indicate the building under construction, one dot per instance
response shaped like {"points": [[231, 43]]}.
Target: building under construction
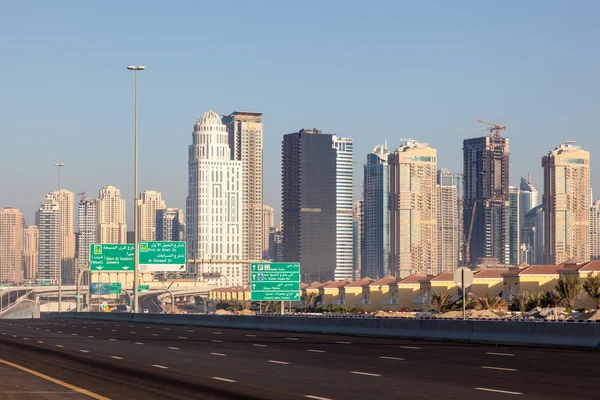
{"points": [[486, 210]]}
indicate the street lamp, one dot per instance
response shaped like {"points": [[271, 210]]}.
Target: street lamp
{"points": [[59, 166], [135, 192]]}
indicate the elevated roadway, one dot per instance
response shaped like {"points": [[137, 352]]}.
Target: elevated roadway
{"points": [[120, 360]]}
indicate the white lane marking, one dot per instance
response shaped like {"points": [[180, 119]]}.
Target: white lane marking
{"points": [[59, 331], [39, 341], [159, 366], [113, 330], [181, 337], [133, 333], [173, 348], [116, 324], [4, 333], [291, 338], [217, 333], [250, 335], [131, 326], [99, 329], [223, 379], [310, 396], [155, 334], [279, 362], [218, 354], [113, 340], [497, 391], [343, 342], [217, 341], [392, 358], [139, 343], [47, 330], [60, 345], [411, 347], [190, 330], [14, 335], [84, 351], [73, 334], [25, 338], [259, 345], [363, 373], [499, 369], [116, 357], [500, 354], [316, 351], [147, 327], [92, 337], [167, 329]]}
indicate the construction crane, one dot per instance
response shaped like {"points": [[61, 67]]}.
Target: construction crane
{"points": [[493, 128], [467, 240], [82, 194]]}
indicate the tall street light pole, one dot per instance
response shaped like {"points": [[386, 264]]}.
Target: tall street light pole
{"points": [[59, 166], [134, 306]]}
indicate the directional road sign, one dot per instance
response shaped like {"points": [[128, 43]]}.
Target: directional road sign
{"points": [[275, 281], [105, 288], [143, 288], [111, 257], [162, 256]]}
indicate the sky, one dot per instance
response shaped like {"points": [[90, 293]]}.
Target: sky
{"points": [[372, 71]]}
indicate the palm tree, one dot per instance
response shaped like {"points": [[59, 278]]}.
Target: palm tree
{"points": [[440, 302], [490, 302], [551, 299], [534, 299], [592, 288], [569, 287], [311, 299]]}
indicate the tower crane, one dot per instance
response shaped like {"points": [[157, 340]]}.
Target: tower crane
{"points": [[82, 194], [467, 240], [494, 127]]}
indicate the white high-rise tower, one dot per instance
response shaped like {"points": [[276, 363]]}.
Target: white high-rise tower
{"points": [[150, 201], [214, 204], [112, 226]]}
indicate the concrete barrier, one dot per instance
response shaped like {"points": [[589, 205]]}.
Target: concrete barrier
{"points": [[514, 332], [556, 334], [391, 327], [363, 327], [440, 329]]}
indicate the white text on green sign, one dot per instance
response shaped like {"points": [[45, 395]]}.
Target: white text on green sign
{"points": [[162, 256], [111, 257]]}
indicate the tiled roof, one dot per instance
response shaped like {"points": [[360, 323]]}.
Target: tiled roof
{"points": [[337, 284], [541, 270], [591, 266], [384, 281], [304, 286], [364, 282], [317, 285], [413, 279], [443, 277], [490, 273]]}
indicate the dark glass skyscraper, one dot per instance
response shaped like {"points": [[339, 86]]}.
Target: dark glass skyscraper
{"points": [[486, 197]]}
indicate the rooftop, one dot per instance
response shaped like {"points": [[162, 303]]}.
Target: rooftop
{"points": [[364, 282]]}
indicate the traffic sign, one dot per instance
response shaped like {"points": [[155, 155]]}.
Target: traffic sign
{"points": [[143, 288], [105, 288], [111, 257], [275, 281], [162, 256], [458, 276]]}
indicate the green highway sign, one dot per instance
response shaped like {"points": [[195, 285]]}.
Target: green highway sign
{"points": [[115, 288], [143, 288], [111, 257], [275, 281], [162, 256]]}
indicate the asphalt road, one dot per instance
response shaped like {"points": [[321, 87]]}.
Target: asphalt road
{"points": [[148, 302], [146, 361]]}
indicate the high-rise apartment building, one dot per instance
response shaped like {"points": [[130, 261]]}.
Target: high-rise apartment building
{"points": [[112, 225], [149, 202], [31, 238], [447, 222], [595, 231], [357, 237], [170, 225], [485, 163], [528, 197], [317, 204], [566, 202], [514, 198], [413, 210], [214, 204], [268, 222], [48, 254], [66, 220], [276, 246], [245, 131], [11, 245], [376, 222], [87, 212]]}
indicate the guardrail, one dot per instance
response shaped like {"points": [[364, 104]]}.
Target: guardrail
{"points": [[581, 335]]}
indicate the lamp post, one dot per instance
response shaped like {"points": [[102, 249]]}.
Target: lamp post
{"points": [[134, 307], [59, 166]]}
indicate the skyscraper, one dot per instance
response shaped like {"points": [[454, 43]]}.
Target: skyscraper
{"points": [[31, 237], [485, 162], [595, 231], [447, 221], [170, 225], [47, 223], [357, 237], [268, 222], [66, 205], [246, 143], [376, 222], [150, 201], [214, 203], [11, 245], [528, 197], [88, 229], [413, 210], [566, 202], [112, 225], [514, 198], [317, 204]]}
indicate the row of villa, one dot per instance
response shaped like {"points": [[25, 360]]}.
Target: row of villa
{"points": [[414, 292]]}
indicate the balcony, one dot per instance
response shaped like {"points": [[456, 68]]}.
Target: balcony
{"points": [[338, 302], [389, 302], [421, 300], [362, 302]]}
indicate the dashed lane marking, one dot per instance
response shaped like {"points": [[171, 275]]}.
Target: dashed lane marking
{"points": [[218, 378], [392, 358], [279, 362], [139, 343], [500, 354], [338, 342], [259, 345], [159, 366], [218, 354], [60, 345], [363, 373], [217, 341], [116, 357], [499, 368], [316, 351], [173, 348], [497, 391], [84, 351], [410, 347], [310, 396]]}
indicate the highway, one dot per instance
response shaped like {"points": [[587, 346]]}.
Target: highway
{"points": [[12, 296], [148, 302], [117, 360]]}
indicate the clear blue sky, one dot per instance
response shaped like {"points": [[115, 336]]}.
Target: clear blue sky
{"points": [[368, 70]]}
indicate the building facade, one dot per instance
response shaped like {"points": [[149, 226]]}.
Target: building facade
{"points": [[357, 236], [317, 204], [214, 205], [268, 222], [31, 237], [375, 252], [514, 230], [11, 245], [149, 202], [486, 198], [112, 224], [66, 220], [566, 202], [170, 225], [447, 222], [48, 245], [87, 212], [245, 131], [528, 197], [413, 210], [595, 231]]}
